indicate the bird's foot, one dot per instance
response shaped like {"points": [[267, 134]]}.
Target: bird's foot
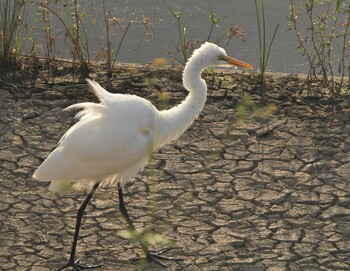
{"points": [[78, 267], [157, 257]]}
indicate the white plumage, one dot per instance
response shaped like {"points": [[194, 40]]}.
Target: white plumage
{"points": [[113, 140]]}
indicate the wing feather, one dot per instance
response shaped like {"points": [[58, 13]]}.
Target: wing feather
{"points": [[89, 111], [115, 138]]}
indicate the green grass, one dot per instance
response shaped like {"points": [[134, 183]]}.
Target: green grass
{"points": [[264, 49], [10, 11]]}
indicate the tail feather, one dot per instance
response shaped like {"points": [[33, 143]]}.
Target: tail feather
{"points": [[99, 91], [87, 108]]}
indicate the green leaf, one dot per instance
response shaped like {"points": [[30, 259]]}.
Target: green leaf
{"points": [[338, 5], [157, 239], [129, 234]]}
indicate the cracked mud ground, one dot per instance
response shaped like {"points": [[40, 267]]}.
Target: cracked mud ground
{"points": [[246, 195]]}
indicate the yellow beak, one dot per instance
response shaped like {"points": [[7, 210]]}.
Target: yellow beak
{"points": [[236, 62]]}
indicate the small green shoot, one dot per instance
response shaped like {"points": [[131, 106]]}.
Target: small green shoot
{"points": [[149, 238], [63, 188], [247, 109]]}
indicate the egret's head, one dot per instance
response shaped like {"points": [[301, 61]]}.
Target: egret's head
{"points": [[214, 55]]}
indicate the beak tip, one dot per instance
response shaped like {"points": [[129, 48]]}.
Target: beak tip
{"points": [[237, 62]]}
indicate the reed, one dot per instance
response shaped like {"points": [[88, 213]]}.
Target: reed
{"points": [[10, 11], [264, 49]]}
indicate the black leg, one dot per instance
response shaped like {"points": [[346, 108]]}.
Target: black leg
{"points": [[128, 220], [72, 262], [150, 256]]}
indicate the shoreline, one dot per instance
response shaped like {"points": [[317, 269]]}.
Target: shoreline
{"points": [[99, 65]]}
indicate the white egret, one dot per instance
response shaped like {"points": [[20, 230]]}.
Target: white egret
{"points": [[113, 140]]}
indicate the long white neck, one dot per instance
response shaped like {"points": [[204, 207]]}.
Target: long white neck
{"points": [[175, 121]]}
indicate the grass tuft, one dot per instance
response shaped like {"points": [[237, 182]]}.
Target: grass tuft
{"points": [[10, 11], [264, 50]]}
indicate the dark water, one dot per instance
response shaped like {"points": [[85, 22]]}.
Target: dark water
{"points": [[163, 38]]}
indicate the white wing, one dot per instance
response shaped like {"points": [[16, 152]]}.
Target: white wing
{"points": [[111, 138]]}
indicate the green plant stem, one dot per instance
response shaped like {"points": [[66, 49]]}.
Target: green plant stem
{"points": [[211, 19], [9, 15], [264, 34], [183, 40], [70, 35], [263, 55], [120, 43], [259, 33], [344, 52], [322, 33], [272, 40], [181, 30], [108, 61]]}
